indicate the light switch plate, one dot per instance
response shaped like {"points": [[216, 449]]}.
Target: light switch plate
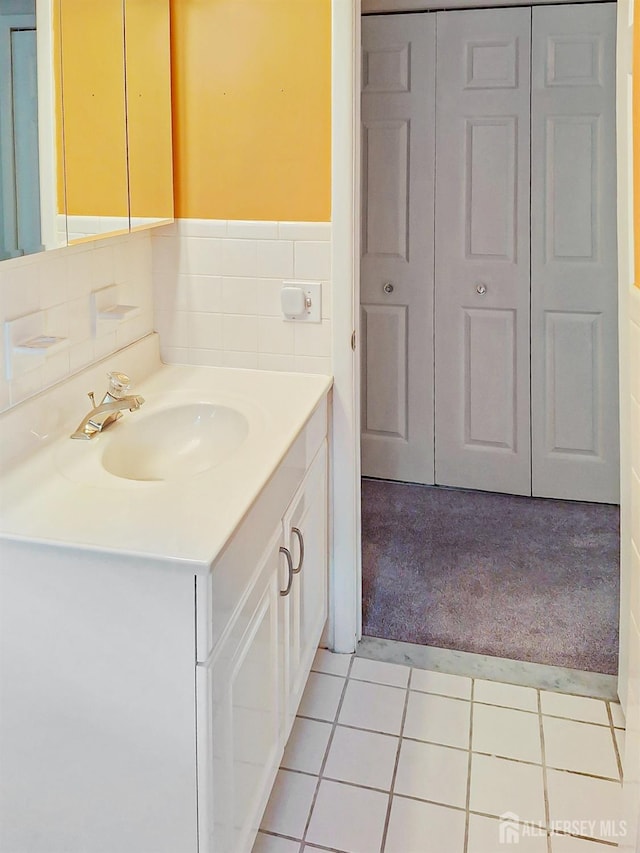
{"points": [[313, 292]]}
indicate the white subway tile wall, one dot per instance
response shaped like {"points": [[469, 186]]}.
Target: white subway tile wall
{"points": [[217, 293], [59, 283]]}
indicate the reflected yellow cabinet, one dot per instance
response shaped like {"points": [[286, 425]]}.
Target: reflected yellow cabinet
{"points": [[115, 111], [148, 80]]}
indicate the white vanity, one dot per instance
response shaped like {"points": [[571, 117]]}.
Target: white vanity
{"points": [[156, 634]]}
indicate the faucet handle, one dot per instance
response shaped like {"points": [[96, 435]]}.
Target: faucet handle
{"points": [[119, 383]]}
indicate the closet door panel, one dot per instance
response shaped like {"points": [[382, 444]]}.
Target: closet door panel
{"points": [[572, 345], [385, 403], [491, 186], [398, 142], [489, 356], [574, 352], [482, 250]]}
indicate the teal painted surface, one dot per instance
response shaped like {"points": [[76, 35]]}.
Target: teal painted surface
{"points": [[19, 161], [25, 131]]}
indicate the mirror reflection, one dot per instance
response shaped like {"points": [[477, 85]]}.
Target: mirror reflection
{"points": [[85, 121], [20, 227], [94, 121], [148, 64]]}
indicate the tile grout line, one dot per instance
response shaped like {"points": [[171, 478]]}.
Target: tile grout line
{"points": [[510, 758], [334, 726], [348, 784], [615, 743], [273, 834], [467, 817], [385, 828], [580, 773], [595, 842], [494, 704], [545, 787], [467, 810], [484, 702]]}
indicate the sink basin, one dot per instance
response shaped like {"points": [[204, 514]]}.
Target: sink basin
{"points": [[174, 443]]}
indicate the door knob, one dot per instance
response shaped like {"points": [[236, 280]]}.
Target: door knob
{"points": [[388, 287], [481, 289]]}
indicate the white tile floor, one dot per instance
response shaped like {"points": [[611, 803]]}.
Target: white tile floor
{"points": [[387, 759]]}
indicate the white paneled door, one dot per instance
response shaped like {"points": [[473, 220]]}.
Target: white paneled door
{"points": [[501, 279], [398, 140], [482, 250], [574, 304]]}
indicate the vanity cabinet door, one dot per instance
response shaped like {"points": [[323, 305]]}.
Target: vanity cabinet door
{"points": [[305, 534], [239, 690]]}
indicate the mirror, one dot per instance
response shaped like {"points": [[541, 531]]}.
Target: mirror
{"points": [[116, 115], [85, 122], [20, 228], [148, 71], [94, 118]]}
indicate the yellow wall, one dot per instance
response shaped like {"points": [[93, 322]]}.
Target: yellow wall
{"points": [[636, 141], [252, 109]]}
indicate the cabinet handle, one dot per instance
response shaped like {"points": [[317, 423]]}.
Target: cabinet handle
{"points": [[287, 554], [298, 533]]}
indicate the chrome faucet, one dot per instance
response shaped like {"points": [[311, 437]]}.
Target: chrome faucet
{"points": [[111, 407]]}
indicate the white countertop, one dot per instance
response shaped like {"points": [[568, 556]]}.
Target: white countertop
{"points": [[61, 495]]}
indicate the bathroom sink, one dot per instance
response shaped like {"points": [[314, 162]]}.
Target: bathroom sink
{"points": [[174, 443]]}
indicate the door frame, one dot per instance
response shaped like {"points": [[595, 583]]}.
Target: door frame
{"points": [[49, 201], [345, 610], [345, 622], [628, 312]]}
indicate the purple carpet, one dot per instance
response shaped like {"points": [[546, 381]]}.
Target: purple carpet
{"points": [[523, 578]]}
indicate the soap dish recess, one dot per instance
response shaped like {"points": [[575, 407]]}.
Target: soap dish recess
{"points": [[46, 344], [106, 310], [27, 344], [118, 312]]}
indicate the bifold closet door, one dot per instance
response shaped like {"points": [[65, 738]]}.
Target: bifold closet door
{"points": [[482, 410], [398, 142], [574, 355]]}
